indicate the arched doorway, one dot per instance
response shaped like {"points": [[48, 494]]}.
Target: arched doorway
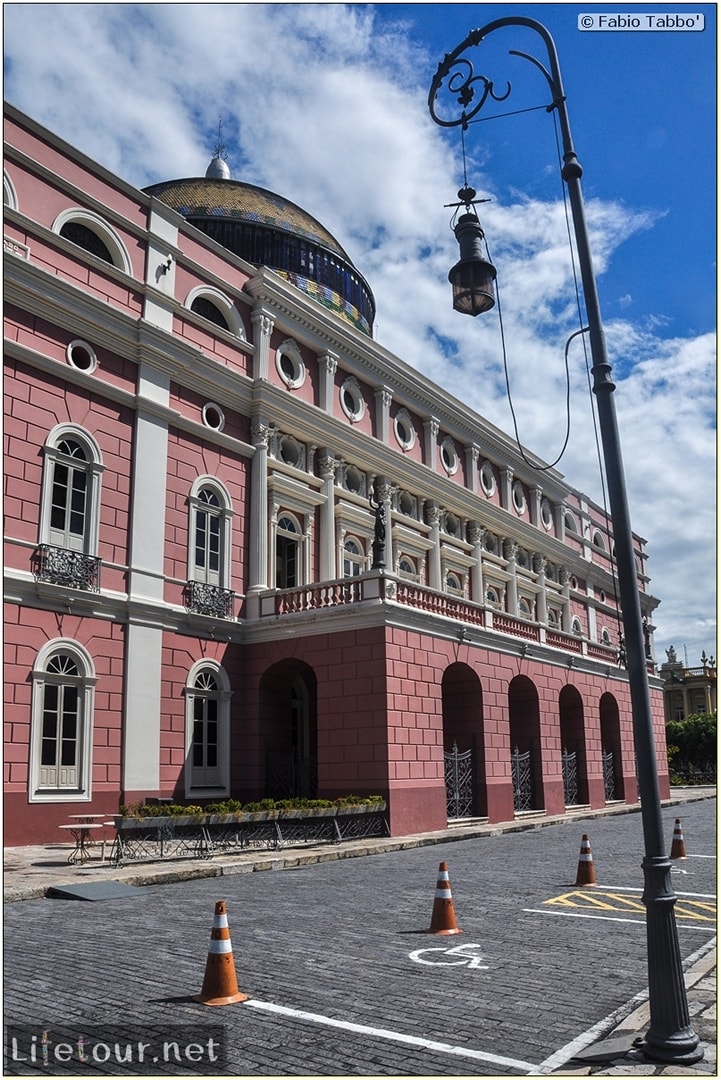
{"points": [[463, 749], [525, 725], [573, 747], [611, 748], [288, 711]]}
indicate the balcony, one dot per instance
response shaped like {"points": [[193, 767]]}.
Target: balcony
{"points": [[211, 600], [373, 587], [61, 566]]}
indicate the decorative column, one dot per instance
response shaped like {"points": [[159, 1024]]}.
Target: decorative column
{"points": [[473, 452], [258, 530], [433, 518], [506, 486], [327, 465], [262, 329], [539, 565], [476, 533], [431, 427], [327, 367], [536, 494], [510, 550], [564, 579], [383, 398]]}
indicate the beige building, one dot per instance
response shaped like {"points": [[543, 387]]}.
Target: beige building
{"points": [[687, 691]]}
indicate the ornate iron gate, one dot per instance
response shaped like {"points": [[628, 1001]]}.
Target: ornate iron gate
{"points": [[570, 777], [522, 773], [609, 775], [459, 782]]}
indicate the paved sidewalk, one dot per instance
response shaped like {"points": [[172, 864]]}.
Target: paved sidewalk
{"points": [[29, 872]]}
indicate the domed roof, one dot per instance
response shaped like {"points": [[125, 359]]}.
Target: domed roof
{"points": [[212, 197], [266, 229]]}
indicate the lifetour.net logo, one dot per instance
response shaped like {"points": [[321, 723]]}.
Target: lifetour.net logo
{"points": [[645, 20], [113, 1050]]}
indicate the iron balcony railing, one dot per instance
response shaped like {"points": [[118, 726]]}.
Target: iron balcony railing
{"points": [[61, 566], [204, 599]]}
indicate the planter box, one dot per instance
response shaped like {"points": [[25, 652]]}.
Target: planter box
{"points": [[160, 837]]}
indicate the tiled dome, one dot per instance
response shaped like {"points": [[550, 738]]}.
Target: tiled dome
{"points": [[266, 229]]}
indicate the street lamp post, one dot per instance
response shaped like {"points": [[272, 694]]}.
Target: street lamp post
{"points": [[670, 1037]]}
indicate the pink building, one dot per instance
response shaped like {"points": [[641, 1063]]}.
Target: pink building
{"points": [[199, 431]]}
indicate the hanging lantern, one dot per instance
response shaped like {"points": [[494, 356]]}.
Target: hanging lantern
{"points": [[472, 277]]}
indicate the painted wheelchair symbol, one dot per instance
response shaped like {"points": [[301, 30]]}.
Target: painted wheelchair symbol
{"points": [[459, 955]]}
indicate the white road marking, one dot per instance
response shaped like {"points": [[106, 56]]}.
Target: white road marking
{"points": [[470, 961], [631, 888], [567, 1052], [395, 1036], [610, 918]]}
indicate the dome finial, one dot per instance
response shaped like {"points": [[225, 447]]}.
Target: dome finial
{"points": [[218, 168]]}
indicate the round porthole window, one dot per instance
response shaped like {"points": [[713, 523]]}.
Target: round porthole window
{"points": [[546, 514], [82, 356], [449, 457], [354, 480], [290, 451], [404, 430], [351, 400], [519, 496], [289, 365], [488, 480], [213, 416]]}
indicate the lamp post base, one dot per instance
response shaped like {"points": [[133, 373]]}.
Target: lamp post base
{"points": [[683, 1049], [670, 1037]]}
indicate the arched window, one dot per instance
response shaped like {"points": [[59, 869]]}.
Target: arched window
{"points": [[407, 568], [492, 597], [576, 629], [88, 231], [208, 310], [207, 731], [524, 608], [210, 518], [287, 552], [62, 713], [70, 510], [454, 583], [353, 557]]}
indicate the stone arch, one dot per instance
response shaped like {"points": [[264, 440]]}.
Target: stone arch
{"points": [[462, 699], [525, 730], [573, 738], [289, 723], [611, 748]]}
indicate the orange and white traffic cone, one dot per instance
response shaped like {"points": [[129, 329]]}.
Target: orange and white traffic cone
{"points": [[586, 874], [220, 985], [678, 848], [443, 919]]}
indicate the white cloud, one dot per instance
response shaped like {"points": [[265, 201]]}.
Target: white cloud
{"points": [[320, 106]]}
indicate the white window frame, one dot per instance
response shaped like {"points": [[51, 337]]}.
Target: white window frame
{"points": [[290, 349], [85, 683], [353, 562], [223, 697], [223, 303], [96, 224], [224, 514], [94, 469]]}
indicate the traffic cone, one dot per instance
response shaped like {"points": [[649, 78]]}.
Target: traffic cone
{"points": [[443, 919], [220, 985], [678, 848], [586, 874]]}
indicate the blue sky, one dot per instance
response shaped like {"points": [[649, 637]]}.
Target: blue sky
{"points": [[326, 104]]}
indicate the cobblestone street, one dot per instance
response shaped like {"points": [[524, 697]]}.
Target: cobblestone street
{"points": [[342, 978]]}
